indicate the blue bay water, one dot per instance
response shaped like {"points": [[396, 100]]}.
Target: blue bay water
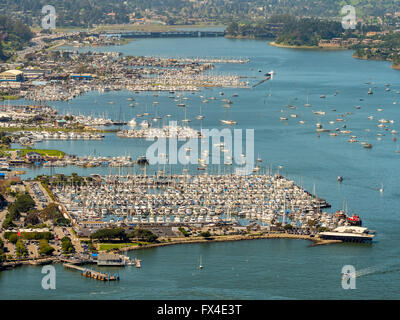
{"points": [[262, 269]]}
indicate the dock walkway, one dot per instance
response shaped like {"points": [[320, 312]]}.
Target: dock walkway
{"points": [[92, 273]]}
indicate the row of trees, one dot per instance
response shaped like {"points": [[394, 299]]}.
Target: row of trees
{"points": [[119, 234], [20, 248], [13, 237], [62, 179]]}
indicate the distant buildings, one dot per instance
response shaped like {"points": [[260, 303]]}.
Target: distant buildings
{"points": [[337, 42], [82, 76], [30, 74], [61, 123]]}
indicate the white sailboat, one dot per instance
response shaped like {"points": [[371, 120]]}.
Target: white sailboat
{"points": [[308, 103], [227, 117], [200, 116]]}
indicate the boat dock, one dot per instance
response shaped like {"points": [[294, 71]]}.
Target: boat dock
{"points": [[92, 273]]}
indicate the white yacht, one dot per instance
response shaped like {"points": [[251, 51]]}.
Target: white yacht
{"points": [[132, 123]]}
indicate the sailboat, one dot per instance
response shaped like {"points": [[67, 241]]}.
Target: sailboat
{"points": [[308, 103], [186, 120], [227, 116], [200, 265], [200, 116], [381, 188]]}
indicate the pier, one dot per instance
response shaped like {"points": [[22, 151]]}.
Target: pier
{"points": [[92, 273]]}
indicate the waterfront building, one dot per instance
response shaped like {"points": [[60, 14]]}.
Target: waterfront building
{"points": [[34, 157], [107, 259], [61, 123], [348, 234], [12, 75]]}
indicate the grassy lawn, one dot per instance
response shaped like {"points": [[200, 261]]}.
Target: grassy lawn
{"points": [[9, 97], [110, 246], [44, 152]]}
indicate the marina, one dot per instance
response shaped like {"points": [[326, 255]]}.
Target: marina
{"points": [[200, 199], [134, 74], [301, 156], [166, 132]]}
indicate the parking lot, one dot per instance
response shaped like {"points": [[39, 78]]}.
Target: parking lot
{"points": [[38, 194]]}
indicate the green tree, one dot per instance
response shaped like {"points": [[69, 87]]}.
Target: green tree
{"points": [[143, 235], [32, 219], [110, 234], [205, 234], [66, 245], [183, 231], [232, 28], [8, 223], [288, 227], [13, 238], [20, 249], [45, 248]]}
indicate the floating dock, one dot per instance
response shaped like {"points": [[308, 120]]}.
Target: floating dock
{"points": [[92, 273]]}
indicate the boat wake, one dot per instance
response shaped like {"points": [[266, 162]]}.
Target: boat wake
{"points": [[378, 270]]}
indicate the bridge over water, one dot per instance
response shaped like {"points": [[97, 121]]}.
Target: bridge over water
{"points": [[166, 34]]}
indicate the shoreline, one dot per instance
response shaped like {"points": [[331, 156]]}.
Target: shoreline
{"points": [[393, 66], [315, 241], [48, 260], [274, 44]]}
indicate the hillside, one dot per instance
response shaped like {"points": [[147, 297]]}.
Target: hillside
{"points": [[13, 36], [86, 13]]}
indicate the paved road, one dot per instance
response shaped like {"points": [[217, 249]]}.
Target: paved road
{"points": [[38, 44], [75, 241]]}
